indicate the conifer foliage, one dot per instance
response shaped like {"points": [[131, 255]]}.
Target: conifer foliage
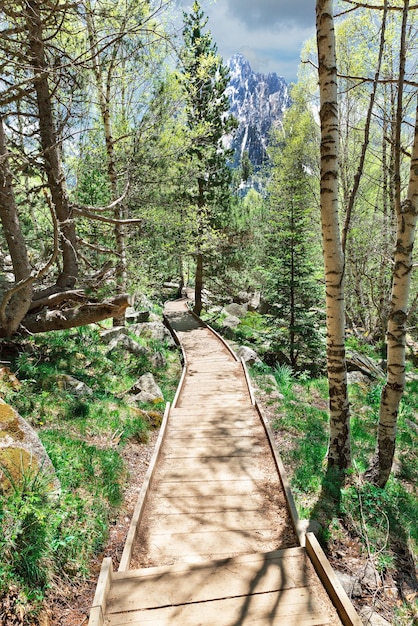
{"points": [[204, 78]]}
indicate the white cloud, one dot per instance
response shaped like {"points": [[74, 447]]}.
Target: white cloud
{"points": [[269, 33]]}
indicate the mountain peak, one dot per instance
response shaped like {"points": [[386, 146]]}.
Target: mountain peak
{"points": [[258, 101]]}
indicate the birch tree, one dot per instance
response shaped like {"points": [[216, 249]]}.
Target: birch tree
{"points": [[406, 217], [339, 455]]}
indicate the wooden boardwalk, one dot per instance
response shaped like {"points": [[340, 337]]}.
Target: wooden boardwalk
{"points": [[214, 538]]}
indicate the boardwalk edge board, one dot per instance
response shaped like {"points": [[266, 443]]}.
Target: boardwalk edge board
{"points": [[98, 609], [143, 495], [331, 583]]}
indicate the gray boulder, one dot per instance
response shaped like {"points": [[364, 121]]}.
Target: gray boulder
{"points": [[156, 331], [350, 584], [247, 355], [110, 333], [77, 387], [133, 316], [22, 453], [147, 390], [123, 342], [371, 618], [231, 322], [310, 526], [255, 301], [158, 361], [236, 310]]}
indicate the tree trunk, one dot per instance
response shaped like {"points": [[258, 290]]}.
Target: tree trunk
{"points": [[379, 471], [50, 147], [12, 307], [104, 80], [198, 284], [339, 442], [90, 313]]}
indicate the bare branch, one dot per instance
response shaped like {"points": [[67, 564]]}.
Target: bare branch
{"points": [[107, 220], [109, 207]]}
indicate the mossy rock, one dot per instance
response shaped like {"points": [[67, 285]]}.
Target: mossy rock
{"points": [[22, 454]]}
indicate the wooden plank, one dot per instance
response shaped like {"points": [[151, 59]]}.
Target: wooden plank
{"points": [[211, 468], [185, 568], [213, 545], [190, 521], [203, 504], [207, 488], [292, 607], [182, 448], [143, 495], [331, 583], [102, 590], [206, 431], [204, 583]]}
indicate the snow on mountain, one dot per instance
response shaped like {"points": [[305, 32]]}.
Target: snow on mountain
{"points": [[258, 101]]}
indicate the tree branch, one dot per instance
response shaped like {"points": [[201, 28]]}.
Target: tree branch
{"points": [[77, 316]]}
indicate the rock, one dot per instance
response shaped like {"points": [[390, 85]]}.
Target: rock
{"points": [[107, 335], [129, 345], [310, 526], [141, 302], [156, 331], [21, 452], [147, 389], [171, 285], [243, 297], [369, 577], [371, 618], [273, 387], [77, 387], [230, 322], [255, 301], [248, 355], [133, 317], [236, 310], [158, 361], [350, 584], [357, 377]]}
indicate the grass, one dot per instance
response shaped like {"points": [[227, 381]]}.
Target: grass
{"points": [[42, 537], [382, 520]]}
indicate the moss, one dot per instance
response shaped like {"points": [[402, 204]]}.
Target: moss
{"points": [[9, 423], [15, 463]]}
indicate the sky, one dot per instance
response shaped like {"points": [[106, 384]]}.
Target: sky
{"points": [[269, 33]]}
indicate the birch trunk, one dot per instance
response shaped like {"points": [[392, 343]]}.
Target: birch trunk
{"points": [[339, 441], [396, 334]]}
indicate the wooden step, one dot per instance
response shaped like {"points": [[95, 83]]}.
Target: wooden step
{"points": [[265, 588]]}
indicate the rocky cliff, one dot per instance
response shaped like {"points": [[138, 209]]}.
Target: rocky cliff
{"points": [[258, 101]]}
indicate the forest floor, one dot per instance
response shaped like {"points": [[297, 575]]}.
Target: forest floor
{"points": [[69, 601]]}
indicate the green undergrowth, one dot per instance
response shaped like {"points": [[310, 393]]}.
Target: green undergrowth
{"points": [[382, 521], [44, 537]]}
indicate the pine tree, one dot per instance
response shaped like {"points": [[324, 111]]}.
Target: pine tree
{"points": [[292, 254], [204, 78]]}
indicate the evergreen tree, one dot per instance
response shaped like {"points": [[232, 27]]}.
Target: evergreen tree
{"points": [[204, 78], [293, 254]]}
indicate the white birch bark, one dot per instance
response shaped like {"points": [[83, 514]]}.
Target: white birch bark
{"points": [[339, 441], [407, 216]]}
